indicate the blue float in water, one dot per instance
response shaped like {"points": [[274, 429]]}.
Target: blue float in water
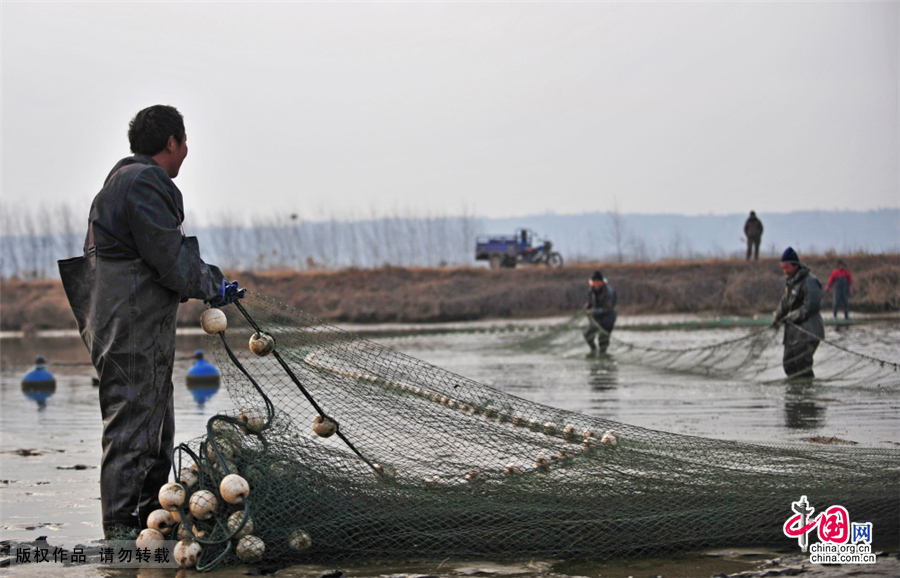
{"points": [[39, 384], [202, 368], [39, 375], [202, 379]]}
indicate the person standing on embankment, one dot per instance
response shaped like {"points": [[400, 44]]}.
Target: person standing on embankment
{"points": [[842, 281], [753, 229], [799, 311], [124, 292]]}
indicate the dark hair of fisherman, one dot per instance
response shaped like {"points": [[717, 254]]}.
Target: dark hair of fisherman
{"points": [[150, 129]]}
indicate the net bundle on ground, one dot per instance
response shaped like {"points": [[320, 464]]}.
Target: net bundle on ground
{"points": [[428, 465]]}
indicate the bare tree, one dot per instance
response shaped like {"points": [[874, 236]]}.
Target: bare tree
{"points": [[616, 231], [639, 249], [69, 232], [10, 255], [674, 248]]}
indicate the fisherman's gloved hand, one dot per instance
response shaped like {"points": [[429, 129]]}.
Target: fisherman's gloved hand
{"points": [[228, 293], [776, 320], [599, 311]]}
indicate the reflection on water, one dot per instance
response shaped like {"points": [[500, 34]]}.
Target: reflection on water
{"points": [[39, 392], [202, 379], [39, 384], [603, 375], [203, 391], [801, 412]]}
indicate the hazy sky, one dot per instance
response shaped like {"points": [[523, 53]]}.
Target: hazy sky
{"points": [[497, 109]]}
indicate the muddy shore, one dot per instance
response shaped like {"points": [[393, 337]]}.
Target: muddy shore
{"points": [[405, 295], [722, 563]]}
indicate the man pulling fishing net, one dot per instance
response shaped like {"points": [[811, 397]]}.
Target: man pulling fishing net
{"points": [[601, 311], [137, 266], [799, 311]]}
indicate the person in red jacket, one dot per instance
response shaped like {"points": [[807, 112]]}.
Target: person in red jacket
{"points": [[842, 281]]}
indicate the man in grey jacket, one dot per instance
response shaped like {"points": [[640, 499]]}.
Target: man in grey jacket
{"points": [[799, 311], [601, 310], [138, 265]]}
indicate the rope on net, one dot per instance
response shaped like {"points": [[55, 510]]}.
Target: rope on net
{"points": [[432, 465]]}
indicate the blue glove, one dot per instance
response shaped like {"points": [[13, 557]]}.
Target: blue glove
{"points": [[228, 293], [599, 311]]}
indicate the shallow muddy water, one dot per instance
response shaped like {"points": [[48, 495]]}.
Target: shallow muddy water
{"points": [[757, 410], [51, 441]]}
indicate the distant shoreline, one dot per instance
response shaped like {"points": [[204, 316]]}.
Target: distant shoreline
{"points": [[396, 295], [625, 323]]}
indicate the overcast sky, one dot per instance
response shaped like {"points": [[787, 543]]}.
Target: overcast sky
{"points": [[496, 109]]}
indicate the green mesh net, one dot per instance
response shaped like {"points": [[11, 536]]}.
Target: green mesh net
{"points": [[756, 356], [428, 465]]}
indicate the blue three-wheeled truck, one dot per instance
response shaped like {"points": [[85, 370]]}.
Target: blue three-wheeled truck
{"points": [[519, 249]]}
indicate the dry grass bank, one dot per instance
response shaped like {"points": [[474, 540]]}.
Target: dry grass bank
{"points": [[429, 295]]}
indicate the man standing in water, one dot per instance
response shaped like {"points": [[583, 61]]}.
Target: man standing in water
{"points": [[799, 311], [124, 292], [601, 310], [753, 229], [842, 281]]}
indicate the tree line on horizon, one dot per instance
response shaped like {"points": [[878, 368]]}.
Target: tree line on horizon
{"points": [[35, 238]]}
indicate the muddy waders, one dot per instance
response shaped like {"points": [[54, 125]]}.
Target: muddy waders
{"points": [[127, 322], [600, 328]]}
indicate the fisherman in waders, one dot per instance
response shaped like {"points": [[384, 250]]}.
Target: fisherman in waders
{"points": [[601, 311], [799, 311], [124, 292], [842, 281]]}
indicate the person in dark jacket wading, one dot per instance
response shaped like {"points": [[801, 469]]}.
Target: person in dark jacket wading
{"points": [[601, 310], [799, 311], [124, 292]]}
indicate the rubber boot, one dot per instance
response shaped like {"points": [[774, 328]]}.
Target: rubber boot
{"points": [[590, 342]]}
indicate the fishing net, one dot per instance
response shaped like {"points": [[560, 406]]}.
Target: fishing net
{"points": [[755, 356], [428, 465], [758, 356]]}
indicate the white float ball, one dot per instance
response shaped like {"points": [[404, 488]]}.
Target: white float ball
{"points": [[234, 489], [324, 427], [299, 540], [161, 520], [149, 539], [213, 321], [610, 437], [203, 504], [171, 496], [234, 522], [253, 420], [187, 552], [250, 549], [188, 477], [262, 344]]}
